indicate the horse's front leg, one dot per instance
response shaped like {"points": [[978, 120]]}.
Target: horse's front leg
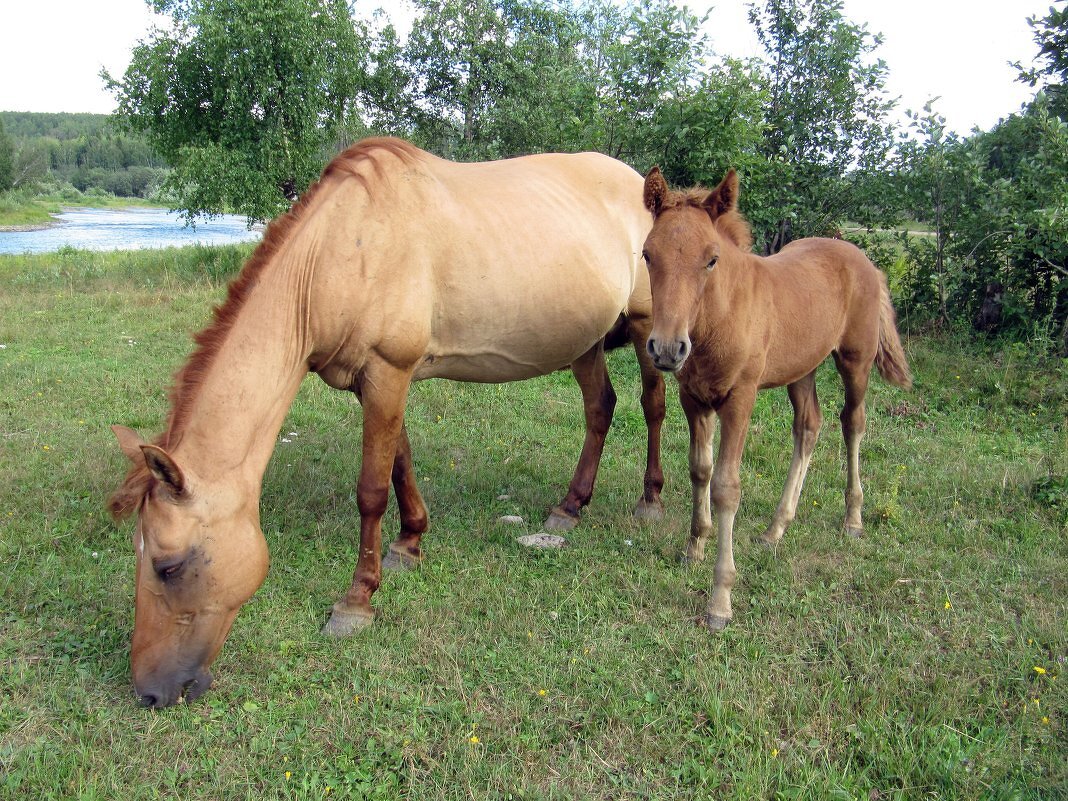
{"points": [[383, 391], [598, 402], [726, 494], [702, 424], [406, 551]]}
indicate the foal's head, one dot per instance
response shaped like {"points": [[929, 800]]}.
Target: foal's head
{"points": [[690, 232]]}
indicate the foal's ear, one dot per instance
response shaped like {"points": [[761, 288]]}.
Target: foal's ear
{"points": [[656, 191], [724, 197]]}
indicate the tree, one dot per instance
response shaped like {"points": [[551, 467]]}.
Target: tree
{"points": [[825, 120], [7, 157], [1051, 36], [243, 98]]}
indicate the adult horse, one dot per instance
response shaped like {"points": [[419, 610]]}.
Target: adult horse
{"points": [[397, 266], [729, 323]]}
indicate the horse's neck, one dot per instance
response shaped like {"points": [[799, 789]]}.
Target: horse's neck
{"points": [[234, 418]]}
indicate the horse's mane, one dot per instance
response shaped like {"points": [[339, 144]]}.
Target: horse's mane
{"points": [[189, 378], [731, 224]]}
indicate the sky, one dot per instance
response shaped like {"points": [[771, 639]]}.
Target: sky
{"points": [[52, 51]]}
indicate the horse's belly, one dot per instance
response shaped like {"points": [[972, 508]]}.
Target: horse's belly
{"points": [[487, 368]]}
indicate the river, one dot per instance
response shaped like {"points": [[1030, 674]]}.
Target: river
{"points": [[125, 229]]}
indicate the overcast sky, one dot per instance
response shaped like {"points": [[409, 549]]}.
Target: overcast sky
{"points": [[51, 52]]}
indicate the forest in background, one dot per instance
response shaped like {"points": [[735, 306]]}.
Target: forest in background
{"points": [[245, 103], [87, 153]]}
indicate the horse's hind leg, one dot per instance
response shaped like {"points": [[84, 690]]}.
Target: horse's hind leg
{"points": [[598, 401], [405, 551], [855, 374], [649, 506], [806, 429]]}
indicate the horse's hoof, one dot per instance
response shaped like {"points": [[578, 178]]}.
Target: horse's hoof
{"points": [[649, 510], [856, 532], [767, 540], [559, 520], [716, 622], [400, 560], [346, 622]]}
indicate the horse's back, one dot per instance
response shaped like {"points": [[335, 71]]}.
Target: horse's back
{"points": [[495, 271]]}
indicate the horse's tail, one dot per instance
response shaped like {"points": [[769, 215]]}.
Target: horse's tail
{"points": [[890, 358]]}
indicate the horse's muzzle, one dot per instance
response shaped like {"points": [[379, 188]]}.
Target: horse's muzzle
{"points": [[176, 689], [668, 354]]}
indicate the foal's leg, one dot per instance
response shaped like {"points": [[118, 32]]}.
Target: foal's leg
{"points": [[855, 374], [650, 507], [405, 551], [702, 423], [726, 494], [383, 392], [598, 401], [807, 420]]}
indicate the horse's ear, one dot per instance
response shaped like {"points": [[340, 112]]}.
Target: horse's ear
{"points": [[723, 198], [130, 442], [165, 469], [656, 191]]}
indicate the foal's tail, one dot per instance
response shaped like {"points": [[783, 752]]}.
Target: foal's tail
{"points": [[890, 358]]}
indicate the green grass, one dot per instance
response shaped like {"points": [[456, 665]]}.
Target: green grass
{"points": [[18, 210], [898, 666]]}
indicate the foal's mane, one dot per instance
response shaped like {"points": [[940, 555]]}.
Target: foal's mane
{"points": [[189, 378], [731, 224]]}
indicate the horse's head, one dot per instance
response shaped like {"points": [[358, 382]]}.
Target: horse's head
{"points": [[200, 556], [681, 251]]}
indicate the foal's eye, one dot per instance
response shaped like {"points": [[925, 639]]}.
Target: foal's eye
{"points": [[712, 263]]}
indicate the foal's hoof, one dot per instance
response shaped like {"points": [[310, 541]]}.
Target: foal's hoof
{"points": [[856, 532], [649, 510], [399, 559], [768, 540], [559, 520], [716, 622], [345, 622]]}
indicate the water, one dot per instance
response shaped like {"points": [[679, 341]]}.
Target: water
{"points": [[125, 229]]}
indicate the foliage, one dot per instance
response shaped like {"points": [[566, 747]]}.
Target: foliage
{"points": [[1051, 65], [825, 124], [7, 156], [81, 150], [999, 260], [243, 98]]}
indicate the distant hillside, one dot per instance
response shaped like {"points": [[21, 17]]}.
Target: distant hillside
{"points": [[84, 151]]}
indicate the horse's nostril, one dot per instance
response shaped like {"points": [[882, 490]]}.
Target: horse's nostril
{"points": [[148, 700], [650, 346], [684, 349]]}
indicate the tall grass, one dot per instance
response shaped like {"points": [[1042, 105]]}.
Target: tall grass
{"points": [[922, 661]]}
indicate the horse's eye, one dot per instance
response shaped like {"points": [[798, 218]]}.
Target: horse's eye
{"points": [[645, 257], [168, 571], [712, 263]]}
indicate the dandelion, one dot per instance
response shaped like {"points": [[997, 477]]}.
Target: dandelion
{"points": [[543, 693], [473, 739], [949, 605], [289, 775], [47, 448], [1041, 671]]}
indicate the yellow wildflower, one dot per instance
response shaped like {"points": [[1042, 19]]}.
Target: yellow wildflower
{"points": [[949, 605], [543, 693], [473, 739], [1041, 671], [288, 774]]}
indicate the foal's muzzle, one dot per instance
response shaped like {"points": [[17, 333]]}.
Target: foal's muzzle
{"points": [[668, 354]]}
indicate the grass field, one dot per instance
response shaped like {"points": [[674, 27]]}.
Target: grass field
{"points": [[924, 661]]}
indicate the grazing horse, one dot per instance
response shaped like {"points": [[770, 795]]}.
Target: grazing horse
{"points": [[395, 267], [729, 323]]}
